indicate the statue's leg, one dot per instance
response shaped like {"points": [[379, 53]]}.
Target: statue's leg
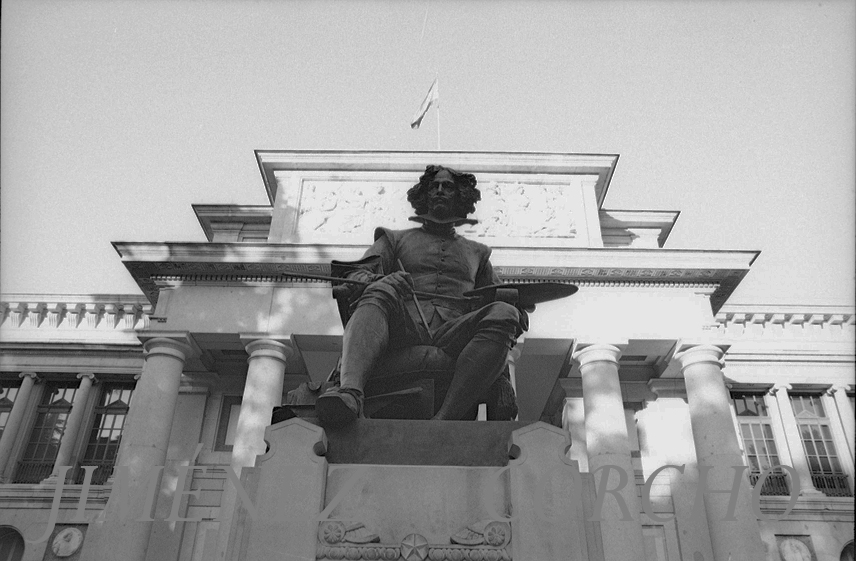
{"points": [[366, 339], [486, 335]]}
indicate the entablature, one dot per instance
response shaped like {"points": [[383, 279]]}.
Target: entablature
{"points": [[712, 271]]}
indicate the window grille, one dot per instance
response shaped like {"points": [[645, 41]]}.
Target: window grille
{"points": [[102, 448], [51, 416], [826, 472], [759, 445]]}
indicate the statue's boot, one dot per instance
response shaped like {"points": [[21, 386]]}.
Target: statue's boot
{"points": [[478, 367], [366, 338]]}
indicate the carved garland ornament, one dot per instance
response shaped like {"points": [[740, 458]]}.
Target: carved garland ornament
{"points": [[486, 540]]}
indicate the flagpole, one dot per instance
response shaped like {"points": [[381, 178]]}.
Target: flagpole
{"points": [[438, 112]]}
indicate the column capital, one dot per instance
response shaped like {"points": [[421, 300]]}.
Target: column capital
{"points": [[32, 375], [597, 352], [88, 375], [696, 354], [175, 346], [257, 347], [782, 387], [838, 387]]}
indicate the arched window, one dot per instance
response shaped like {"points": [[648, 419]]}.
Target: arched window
{"points": [[847, 553], [11, 544]]}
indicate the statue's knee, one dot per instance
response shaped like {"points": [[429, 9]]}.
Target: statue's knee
{"points": [[379, 294], [503, 311]]}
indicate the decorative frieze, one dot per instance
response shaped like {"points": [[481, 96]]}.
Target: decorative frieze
{"points": [[486, 540]]}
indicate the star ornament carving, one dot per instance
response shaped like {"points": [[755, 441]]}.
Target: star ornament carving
{"points": [[414, 548]]}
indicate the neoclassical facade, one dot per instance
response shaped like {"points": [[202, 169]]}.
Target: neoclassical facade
{"points": [[648, 369]]}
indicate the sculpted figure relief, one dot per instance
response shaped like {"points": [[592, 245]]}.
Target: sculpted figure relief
{"points": [[435, 263]]}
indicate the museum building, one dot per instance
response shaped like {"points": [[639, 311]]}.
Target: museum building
{"points": [[647, 371]]}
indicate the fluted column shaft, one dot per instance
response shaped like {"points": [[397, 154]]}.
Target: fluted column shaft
{"points": [[716, 446], [608, 443], [13, 424], [72, 425]]}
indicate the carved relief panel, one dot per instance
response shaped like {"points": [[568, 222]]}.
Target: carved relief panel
{"points": [[514, 210]]}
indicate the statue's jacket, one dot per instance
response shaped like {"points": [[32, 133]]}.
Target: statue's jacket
{"points": [[446, 265]]}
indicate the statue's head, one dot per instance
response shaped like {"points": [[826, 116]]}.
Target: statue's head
{"points": [[444, 195]]}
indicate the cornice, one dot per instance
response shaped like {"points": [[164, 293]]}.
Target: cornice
{"points": [[601, 165], [719, 272], [248, 214]]}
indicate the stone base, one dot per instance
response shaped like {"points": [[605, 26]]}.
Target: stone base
{"points": [[415, 490]]}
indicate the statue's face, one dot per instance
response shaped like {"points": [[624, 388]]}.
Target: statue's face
{"points": [[443, 195]]}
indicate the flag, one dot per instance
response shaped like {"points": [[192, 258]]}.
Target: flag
{"points": [[430, 99]]}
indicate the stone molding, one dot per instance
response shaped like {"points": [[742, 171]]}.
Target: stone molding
{"points": [[156, 265], [275, 162], [74, 312]]}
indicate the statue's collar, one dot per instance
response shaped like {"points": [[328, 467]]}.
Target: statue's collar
{"points": [[454, 220]]}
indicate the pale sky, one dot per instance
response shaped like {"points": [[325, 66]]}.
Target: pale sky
{"points": [[117, 116]]}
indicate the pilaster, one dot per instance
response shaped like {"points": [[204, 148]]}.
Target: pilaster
{"points": [[794, 440]]}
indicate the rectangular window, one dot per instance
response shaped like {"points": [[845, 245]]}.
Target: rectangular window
{"points": [[8, 393], [759, 446], [226, 427], [51, 415], [102, 448], [826, 472]]}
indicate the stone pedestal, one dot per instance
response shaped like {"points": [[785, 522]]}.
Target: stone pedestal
{"points": [[415, 491]]}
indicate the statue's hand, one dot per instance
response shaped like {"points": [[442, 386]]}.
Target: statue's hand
{"points": [[400, 281]]}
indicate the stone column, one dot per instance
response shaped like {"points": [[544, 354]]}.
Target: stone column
{"points": [[13, 424], [794, 440], [262, 392], [144, 446], [666, 438], [845, 413], [72, 426], [717, 447], [608, 444]]}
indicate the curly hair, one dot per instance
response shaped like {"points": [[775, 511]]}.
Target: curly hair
{"points": [[468, 195]]}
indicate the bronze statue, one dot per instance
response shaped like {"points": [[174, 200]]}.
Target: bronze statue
{"points": [[438, 265]]}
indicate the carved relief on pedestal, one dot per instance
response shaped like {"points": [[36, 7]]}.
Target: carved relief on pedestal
{"points": [[486, 540]]}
